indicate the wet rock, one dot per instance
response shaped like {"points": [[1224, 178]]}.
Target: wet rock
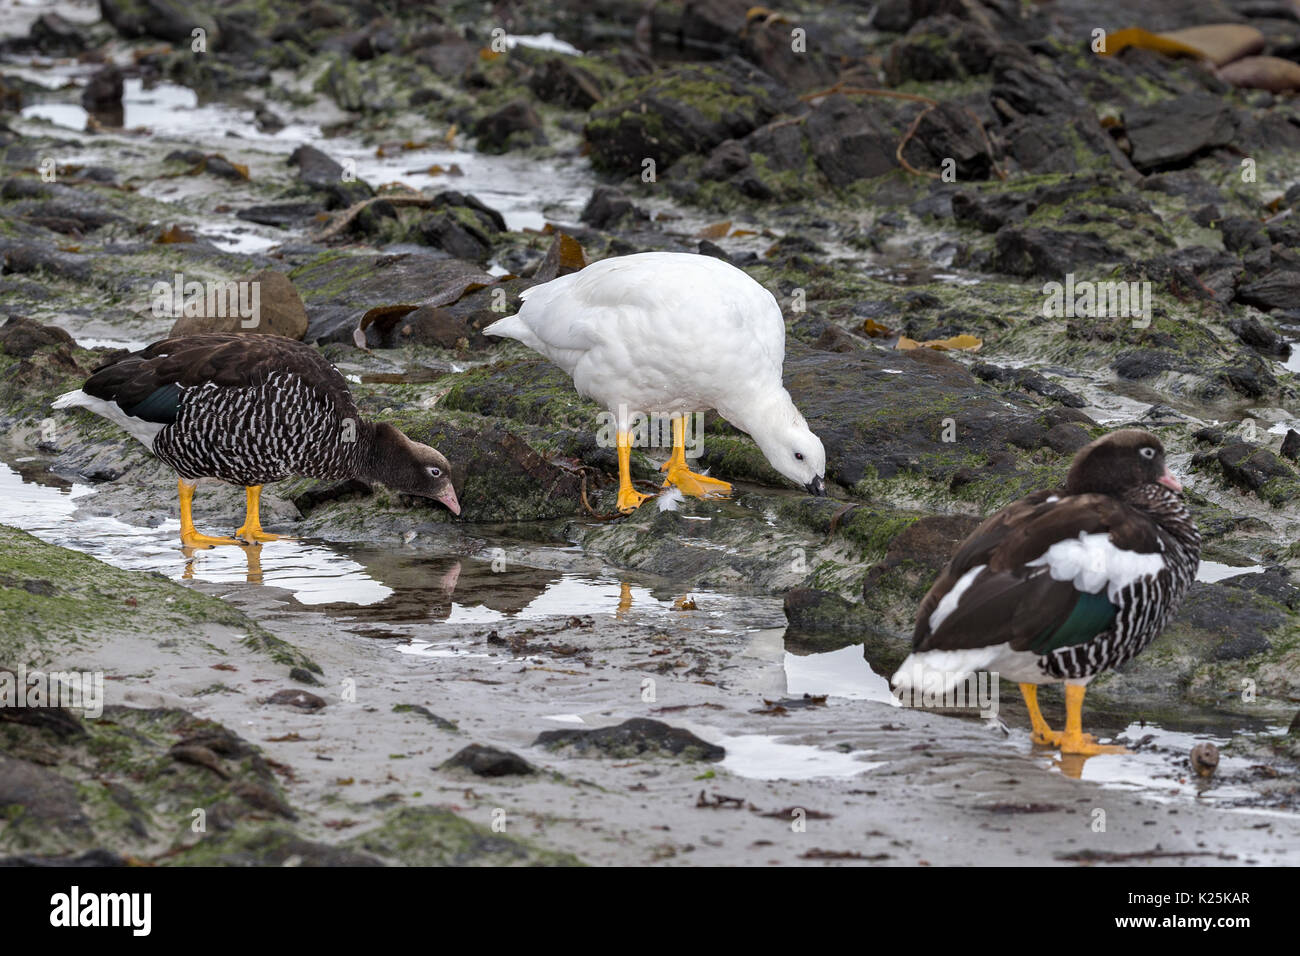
{"points": [[432, 325], [35, 798], [812, 610], [434, 836], [1291, 445], [488, 762], [286, 215], [948, 132], [1137, 364], [54, 35], [280, 311], [1172, 133], [1250, 375], [1049, 253], [318, 171], [1254, 468], [440, 722], [1279, 289], [339, 290], [164, 19], [293, 697], [304, 676], [766, 42], [102, 95], [678, 111], [1241, 234], [563, 83], [455, 236], [445, 52], [198, 757], [848, 143], [940, 48], [895, 585], [512, 126], [498, 474], [25, 256], [607, 207], [638, 737], [1029, 380], [1028, 86], [22, 337]]}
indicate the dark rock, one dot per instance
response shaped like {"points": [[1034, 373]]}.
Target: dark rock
{"points": [[304, 676], [1250, 375], [1030, 380], [1172, 133], [514, 125], [318, 171], [22, 256], [1241, 234], [91, 858], [1029, 87], [286, 215], [340, 290], [606, 207], [454, 236], [767, 43], [22, 337], [433, 325], [678, 111], [848, 143], [1251, 466], [1258, 336], [293, 697], [1049, 253], [1291, 445], [563, 83], [1137, 364], [440, 722], [56, 36], [102, 96], [488, 762], [280, 311], [808, 609], [638, 737], [940, 48], [948, 132], [1279, 289], [912, 561], [36, 797]]}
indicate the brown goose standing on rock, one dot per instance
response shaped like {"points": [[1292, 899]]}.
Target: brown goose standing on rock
{"points": [[1061, 586], [253, 409]]}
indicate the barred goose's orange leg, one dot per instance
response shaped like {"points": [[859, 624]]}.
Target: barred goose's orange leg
{"points": [[251, 530], [189, 537], [1074, 740], [1042, 733]]}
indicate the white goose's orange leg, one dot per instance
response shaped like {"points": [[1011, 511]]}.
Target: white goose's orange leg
{"points": [[629, 499], [697, 486], [251, 530], [189, 537]]}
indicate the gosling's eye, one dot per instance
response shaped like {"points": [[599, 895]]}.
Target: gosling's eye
{"points": [[798, 456], [434, 472], [1147, 452]]}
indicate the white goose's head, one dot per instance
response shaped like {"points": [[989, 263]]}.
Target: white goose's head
{"points": [[789, 444]]}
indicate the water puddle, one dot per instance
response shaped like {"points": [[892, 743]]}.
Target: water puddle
{"points": [[843, 673], [766, 757], [1160, 770], [1211, 571]]}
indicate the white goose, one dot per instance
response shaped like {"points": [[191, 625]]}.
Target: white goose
{"points": [[669, 333]]}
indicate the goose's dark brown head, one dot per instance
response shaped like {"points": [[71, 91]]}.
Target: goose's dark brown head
{"points": [[411, 467], [1119, 462]]}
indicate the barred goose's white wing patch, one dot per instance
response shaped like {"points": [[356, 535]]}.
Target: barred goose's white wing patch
{"points": [[948, 603], [1092, 562]]}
